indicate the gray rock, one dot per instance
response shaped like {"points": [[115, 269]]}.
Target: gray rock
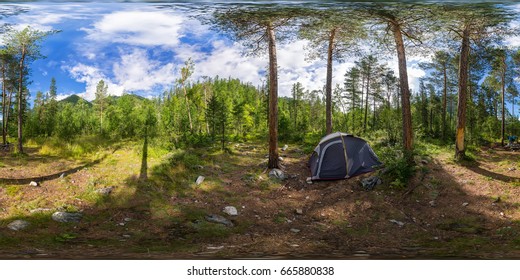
{"points": [[280, 159], [465, 204], [295, 230], [127, 219], [399, 223], [277, 174], [33, 184], [432, 203], [299, 211], [285, 147], [17, 225], [105, 191], [219, 220], [67, 217], [230, 210], [199, 180]]}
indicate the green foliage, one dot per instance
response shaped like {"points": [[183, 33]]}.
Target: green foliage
{"points": [[398, 170]]}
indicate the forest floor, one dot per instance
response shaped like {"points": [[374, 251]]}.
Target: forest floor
{"points": [[447, 211]]}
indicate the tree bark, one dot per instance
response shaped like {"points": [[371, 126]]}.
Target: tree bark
{"points": [[503, 77], [273, 100], [366, 99], [462, 100], [187, 106], [328, 88], [20, 100], [444, 98], [405, 92], [4, 103], [143, 175]]}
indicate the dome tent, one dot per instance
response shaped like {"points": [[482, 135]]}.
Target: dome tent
{"points": [[340, 156]]}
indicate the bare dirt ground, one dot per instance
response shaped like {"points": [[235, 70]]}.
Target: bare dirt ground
{"points": [[448, 210]]}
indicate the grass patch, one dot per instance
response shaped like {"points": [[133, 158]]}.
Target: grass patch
{"points": [[78, 148], [12, 190]]}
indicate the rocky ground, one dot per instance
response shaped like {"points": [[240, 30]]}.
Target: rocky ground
{"points": [[447, 210]]}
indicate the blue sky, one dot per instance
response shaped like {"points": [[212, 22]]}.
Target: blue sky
{"points": [[139, 48]]}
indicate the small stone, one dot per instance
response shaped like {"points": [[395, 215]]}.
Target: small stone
{"points": [[126, 236], [399, 223], [122, 224], [230, 210], [104, 191], [218, 219], [199, 180], [295, 230], [299, 211], [17, 225], [127, 219], [33, 184], [307, 197], [432, 203], [67, 217], [280, 158], [501, 213], [278, 174], [465, 204], [285, 147]]}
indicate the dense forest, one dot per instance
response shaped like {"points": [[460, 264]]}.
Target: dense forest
{"points": [[372, 102]]}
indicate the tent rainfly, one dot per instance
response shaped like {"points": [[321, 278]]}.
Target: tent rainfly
{"points": [[341, 156]]}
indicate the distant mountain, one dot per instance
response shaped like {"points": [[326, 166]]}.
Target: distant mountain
{"points": [[74, 99]]}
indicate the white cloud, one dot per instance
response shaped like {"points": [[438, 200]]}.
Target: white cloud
{"points": [[137, 72], [132, 71], [138, 28], [91, 75], [228, 61]]}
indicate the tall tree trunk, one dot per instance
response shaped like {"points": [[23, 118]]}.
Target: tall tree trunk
{"points": [[405, 93], [353, 105], [20, 100], [273, 100], [462, 100], [503, 77], [366, 100], [328, 88], [4, 103], [206, 107], [187, 106], [444, 98], [373, 112], [143, 175]]}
